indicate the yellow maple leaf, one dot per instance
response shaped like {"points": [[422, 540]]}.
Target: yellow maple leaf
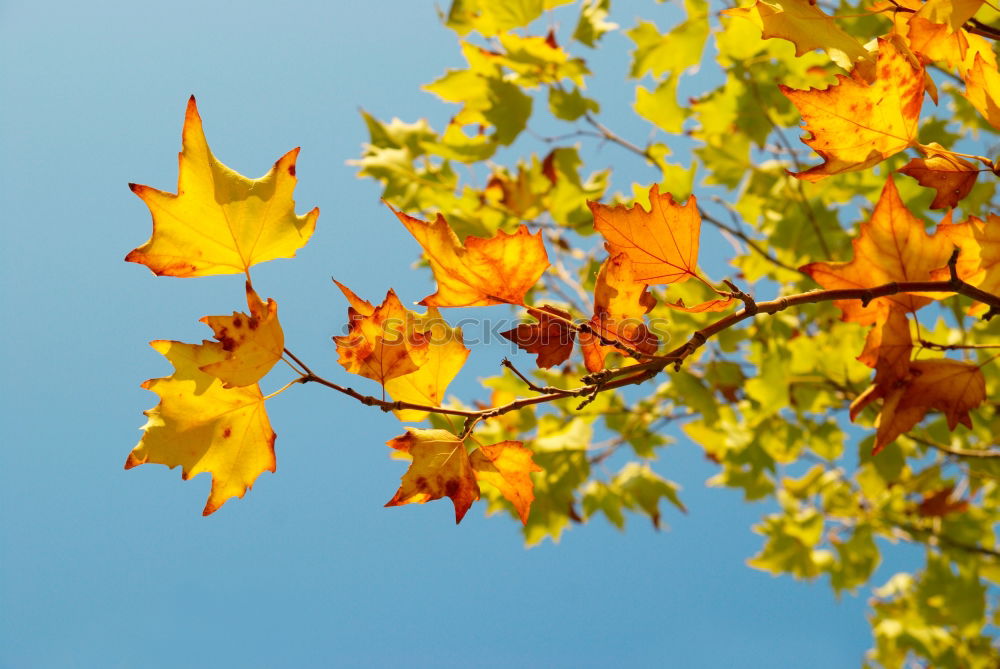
{"points": [[978, 242], [854, 124], [480, 272], [982, 88], [202, 426], [253, 343], [806, 26], [446, 354], [440, 468], [220, 222]]}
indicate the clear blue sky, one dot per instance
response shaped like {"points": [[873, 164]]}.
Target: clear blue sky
{"points": [[107, 568]]}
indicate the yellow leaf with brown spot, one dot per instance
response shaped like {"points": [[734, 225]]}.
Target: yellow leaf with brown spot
{"points": [[446, 354], [892, 246], [951, 177], [661, 244], [253, 343], [481, 272], [507, 466], [202, 426], [440, 468], [382, 342], [854, 124], [220, 222]]}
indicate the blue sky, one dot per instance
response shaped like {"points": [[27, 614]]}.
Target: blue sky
{"points": [[107, 568]]}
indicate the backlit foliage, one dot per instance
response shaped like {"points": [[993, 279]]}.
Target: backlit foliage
{"points": [[877, 266]]}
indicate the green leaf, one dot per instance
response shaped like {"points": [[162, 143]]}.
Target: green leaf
{"points": [[569, 106]]}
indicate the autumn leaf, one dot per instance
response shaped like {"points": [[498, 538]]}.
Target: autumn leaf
{"points": [[950, 386], [253, 343], [892, 246], [446, 353], [204, 427], [938, 504], [382, 342], [661, 244], [551, 338], [717, 304], [440, 468], [979, 255], [620, 303], [805, 25], [481, 272], [507, 466], [951, 177], [982, 88], [220, 222], [854, 124], [888, 347]]}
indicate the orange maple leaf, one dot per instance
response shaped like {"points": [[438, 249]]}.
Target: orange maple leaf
{"points": [[253, 343], [620, 303], [220, 222], [892, 246], [951, 177], [204, 427], [950, 386], [979, 254], [382, 342], [854, 124], [982, 88], [551, 337], [661, 244], [507, 466], [888, 347], [482, 272]]}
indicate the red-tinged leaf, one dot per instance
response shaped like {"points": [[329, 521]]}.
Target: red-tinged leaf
{"points": [[507, 466], [718, 304], [382, 342], [550, 338], [440, 468], [892, 246], [939, 504], [661, 244], [951, 177], [854, 124], [481, 272]]}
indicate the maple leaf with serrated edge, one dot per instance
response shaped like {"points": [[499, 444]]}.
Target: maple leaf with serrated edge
{"points": [[551, 338], [253, 343], [440, 468], [480, 272], [202, 426], [507, 466], [854, 124], [620, 303], [951, 177], [661, 244], [892, 246], [950, 386], [382, 342], [806, 26], [220, 222]]}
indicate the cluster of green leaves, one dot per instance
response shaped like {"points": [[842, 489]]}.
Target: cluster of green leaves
{"points": [[767, 402]]}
